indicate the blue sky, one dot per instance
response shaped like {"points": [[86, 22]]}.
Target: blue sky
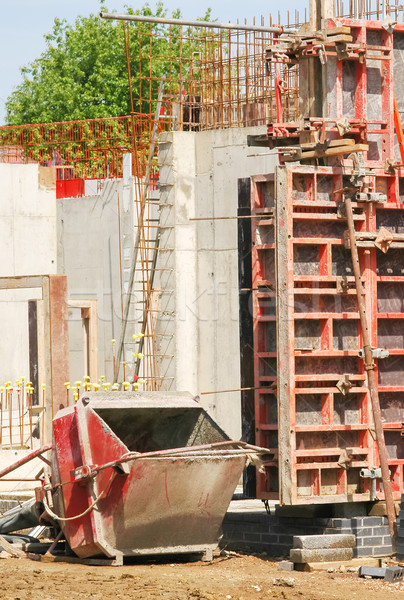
{"points": [[23, 24]]}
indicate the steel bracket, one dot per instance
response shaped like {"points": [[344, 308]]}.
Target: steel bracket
{"points": [[376, 353], [372, 473], [371, 197], [342, 284], [342, 52]]}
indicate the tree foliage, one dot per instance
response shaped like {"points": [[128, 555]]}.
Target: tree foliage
{"points": [[82, 74]]}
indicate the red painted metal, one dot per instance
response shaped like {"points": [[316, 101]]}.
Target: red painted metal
{"points": [[306, 322], [153, 461], [69, 188]]}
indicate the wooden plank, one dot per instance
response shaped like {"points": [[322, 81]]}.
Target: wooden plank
{"points": [[10, 548], [96, 562], [335, 151], [284, 304], [338, 38], [59, 341], [23, 282], [372, 235], [332, 143], [324, 566], [338, 30]]}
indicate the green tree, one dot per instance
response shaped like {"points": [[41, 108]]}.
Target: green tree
{"points": [[82, 74]]}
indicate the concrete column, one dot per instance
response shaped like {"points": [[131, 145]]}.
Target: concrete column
{"points": [[186, 266]]}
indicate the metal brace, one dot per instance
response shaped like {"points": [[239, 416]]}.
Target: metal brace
{"points": [[372, 473], [321, 53], [343, 125], [341, 210], [344, 385], [359, 170], [342, 285], [345, 458], [384, 239], [390, 165], [389, 24], [376, 353]]}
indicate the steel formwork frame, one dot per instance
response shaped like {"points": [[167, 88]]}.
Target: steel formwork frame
{"points": [[312, 401]]}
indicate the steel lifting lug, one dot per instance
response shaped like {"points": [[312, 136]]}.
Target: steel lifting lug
{"points": [[83, 474], [376, 353]]}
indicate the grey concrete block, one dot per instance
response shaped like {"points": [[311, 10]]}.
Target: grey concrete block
{"points": [[375, 572], [320, 555], [252, 537], [361, 552], [341, 523], [394, 574], [382, 550], [374, 521], [286, 565], [383, 530], [363, 532], [270, 538], [310, 542], [372, 541]]}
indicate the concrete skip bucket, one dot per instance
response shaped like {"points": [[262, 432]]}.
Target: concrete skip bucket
{"points": [[142, 473]]}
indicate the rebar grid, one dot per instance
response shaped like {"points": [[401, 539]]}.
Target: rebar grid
{"points": [[369, 9]]}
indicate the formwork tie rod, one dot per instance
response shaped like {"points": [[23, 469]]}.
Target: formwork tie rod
{"points": [[204, 24]]}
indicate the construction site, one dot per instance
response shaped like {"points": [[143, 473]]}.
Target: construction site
{"points": [[202, 309]]}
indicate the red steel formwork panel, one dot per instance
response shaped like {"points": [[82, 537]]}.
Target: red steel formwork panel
{"points": [[307, 335]]}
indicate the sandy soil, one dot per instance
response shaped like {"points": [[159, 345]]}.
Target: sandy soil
{"points": [[231, 577]]}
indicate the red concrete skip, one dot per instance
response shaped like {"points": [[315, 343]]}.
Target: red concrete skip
{"points": [[161, 503]]}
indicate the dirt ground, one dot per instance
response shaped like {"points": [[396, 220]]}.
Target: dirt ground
{"points": [[230, 577]]}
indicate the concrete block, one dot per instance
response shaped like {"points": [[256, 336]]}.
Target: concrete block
{"points": [[373, 521], [362, 552], [286, 565], [382, 550], [374, 572], [379, 531], [394, 574], [346, 523], [363, 532], [310, 542], [319, 555], [373, 541]]}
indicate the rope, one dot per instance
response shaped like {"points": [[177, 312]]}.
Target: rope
{"points": [[88, 509]]}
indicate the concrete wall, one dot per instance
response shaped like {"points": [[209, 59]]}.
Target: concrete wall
{"points": [[94, 237], [27, 247], [199, 174]]}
